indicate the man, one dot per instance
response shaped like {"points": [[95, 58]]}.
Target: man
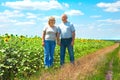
{"points": [[67, 32]]}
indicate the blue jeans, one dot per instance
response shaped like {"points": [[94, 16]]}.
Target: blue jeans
{"points": [[66, 43], [49, 49]]}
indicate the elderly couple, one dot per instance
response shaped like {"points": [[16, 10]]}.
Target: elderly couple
{"points": [[51, 34]]}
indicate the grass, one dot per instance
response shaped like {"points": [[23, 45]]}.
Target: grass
{"points": [[104, 67]]}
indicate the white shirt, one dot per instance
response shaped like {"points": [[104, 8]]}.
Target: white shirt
{"points": [[50, 32]]}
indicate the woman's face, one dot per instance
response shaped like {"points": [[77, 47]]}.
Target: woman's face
{"points": [[52, 22]]}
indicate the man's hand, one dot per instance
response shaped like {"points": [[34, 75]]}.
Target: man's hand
{"points": [[72, 43]]}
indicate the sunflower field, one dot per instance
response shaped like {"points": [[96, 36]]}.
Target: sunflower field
{"points": [[22, 56]]}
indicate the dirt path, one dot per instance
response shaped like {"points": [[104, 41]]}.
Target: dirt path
{"points": [[82, 67]]}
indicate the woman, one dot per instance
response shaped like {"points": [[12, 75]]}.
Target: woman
{"points": [[49, 42]]}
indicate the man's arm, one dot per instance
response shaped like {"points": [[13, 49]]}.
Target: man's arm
{"points": [[73, 38]]}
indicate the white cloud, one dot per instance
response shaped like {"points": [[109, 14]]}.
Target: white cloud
{"points": [[47, 17], [104, 24], [30, 15], [16, 18], [25, 23], [93, 31], [3, 25], [110, 7], [6, 20], [74, 12], [111, 21], [66, 5], [8, 13], [95, 16], [35, 5], [3, 19]]}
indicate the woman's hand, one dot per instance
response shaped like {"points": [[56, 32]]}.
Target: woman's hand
{"points": [[43, 43], [58, 43]]}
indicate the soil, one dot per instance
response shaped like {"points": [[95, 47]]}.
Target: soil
{"points": [[82, 68]]}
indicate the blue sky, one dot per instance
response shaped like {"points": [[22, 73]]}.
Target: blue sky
{"points": [[94, 19]]}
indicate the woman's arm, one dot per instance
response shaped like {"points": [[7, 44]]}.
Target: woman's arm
{"points": [[58, 39], [43, 38]]}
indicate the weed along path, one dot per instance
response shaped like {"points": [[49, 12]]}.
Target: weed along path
{"points": [[83, 67]]}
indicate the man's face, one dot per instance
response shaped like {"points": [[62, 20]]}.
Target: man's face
{"points": [[64, 18]]}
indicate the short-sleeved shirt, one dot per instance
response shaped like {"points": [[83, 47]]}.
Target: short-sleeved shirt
{"points": [[66, 29], [50, 32]]}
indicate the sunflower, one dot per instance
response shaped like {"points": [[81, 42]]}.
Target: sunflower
{"points": [[6, 39]]}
